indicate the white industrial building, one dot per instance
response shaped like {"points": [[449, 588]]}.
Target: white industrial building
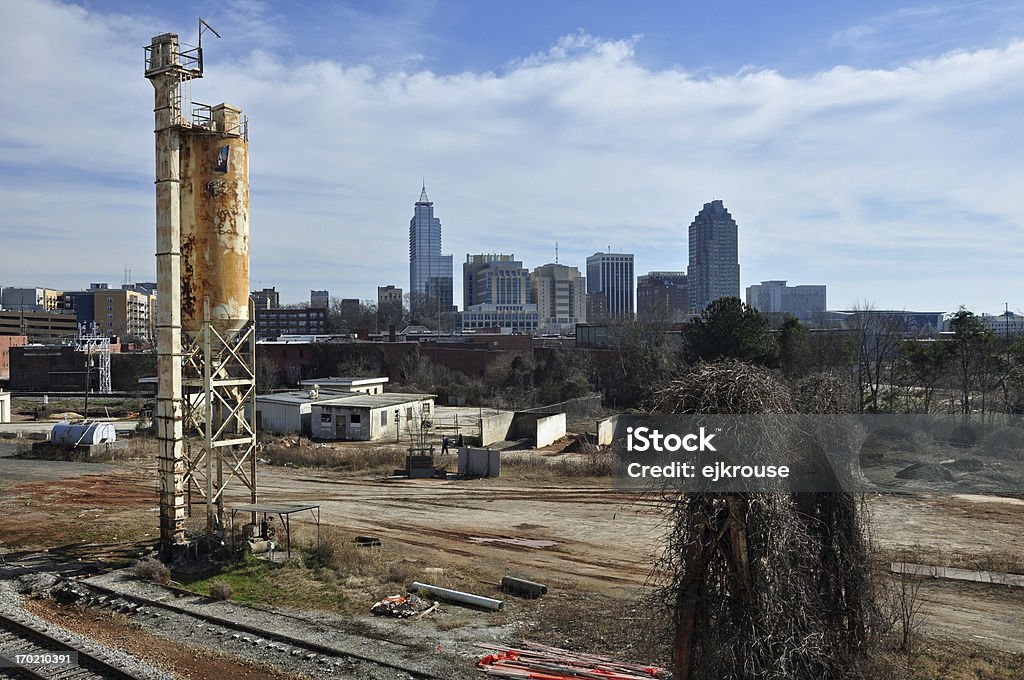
{"points": [[347, 385], [5, 407], [371, 417], [351, 416], [284, 412]]}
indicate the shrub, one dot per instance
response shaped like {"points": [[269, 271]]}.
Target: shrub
{"points": [[221, 590], [152, 569]]}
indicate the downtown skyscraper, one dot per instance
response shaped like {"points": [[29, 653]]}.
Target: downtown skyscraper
{"points": [[714, 270], [610, 276], [430, 273]]}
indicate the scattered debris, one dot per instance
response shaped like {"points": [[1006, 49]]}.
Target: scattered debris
{"points": [[401, 607], [552, 663]]}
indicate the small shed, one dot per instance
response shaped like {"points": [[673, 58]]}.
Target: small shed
{"points": [[365, 417]]}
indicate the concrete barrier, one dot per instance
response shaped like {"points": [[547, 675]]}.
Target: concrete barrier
{"points": [[606, 430], [479, 462], [549, 429], [495, 428]]}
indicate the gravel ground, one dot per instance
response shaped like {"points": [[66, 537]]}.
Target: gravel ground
{"points": [[352, 638], [11, 603]]}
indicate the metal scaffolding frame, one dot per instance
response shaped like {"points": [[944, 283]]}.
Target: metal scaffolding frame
{"points": [[219, 379], [95, 346]]}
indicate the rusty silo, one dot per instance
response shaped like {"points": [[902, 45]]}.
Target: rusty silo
{"points": [[206, 385], [215, 221]]}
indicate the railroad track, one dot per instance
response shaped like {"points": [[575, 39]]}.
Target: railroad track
{"points": [[319, 658], [21, 636]]}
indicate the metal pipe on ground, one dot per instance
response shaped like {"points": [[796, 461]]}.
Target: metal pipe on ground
{"points": [[458, 596], [522, 587]]}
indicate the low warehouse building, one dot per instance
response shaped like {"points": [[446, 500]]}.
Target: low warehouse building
{"points": [[284, 412], [371, 417]]}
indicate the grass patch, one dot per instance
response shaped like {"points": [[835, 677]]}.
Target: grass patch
{"points": [[296, 451], [940, 660], [535, 466]]}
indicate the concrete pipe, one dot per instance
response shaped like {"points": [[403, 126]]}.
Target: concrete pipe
{"points": [[458, 596], [522, 587]]}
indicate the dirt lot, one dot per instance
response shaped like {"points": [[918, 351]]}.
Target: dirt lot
{"points": [[575, 534]]}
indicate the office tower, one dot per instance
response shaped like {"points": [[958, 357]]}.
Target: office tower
{"points": [[430, 272], [714, 270], [662, 296], [611, 274], [806, 303], [319, 299], [560, 293], [494, 279], [496, 295]]}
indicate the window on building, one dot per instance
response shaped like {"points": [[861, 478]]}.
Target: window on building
{"points": [[384, 418], [355, 419], [408, 413]]}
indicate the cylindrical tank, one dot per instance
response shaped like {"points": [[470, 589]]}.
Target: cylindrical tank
{"points": [[84, 433], [215, 223]]}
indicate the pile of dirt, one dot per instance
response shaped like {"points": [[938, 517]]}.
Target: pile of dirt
{"points": [[964, 465], [926, 472]]}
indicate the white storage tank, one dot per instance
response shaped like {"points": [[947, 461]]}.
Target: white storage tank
{"points": [[83, 433]]}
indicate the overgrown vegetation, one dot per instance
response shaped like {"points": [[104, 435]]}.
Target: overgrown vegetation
{"points": [[152, 569]]}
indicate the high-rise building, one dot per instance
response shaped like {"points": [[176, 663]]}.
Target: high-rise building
{"points": [[390, 306], [319, 299], [662, 296], [612, 275], [714, 270], [268, 298], [494, 279], [30, 299], [496, 294], [430, 272], [560, 293], [806, 303]]}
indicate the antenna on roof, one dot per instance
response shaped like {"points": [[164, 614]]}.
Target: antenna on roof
{"points": [[208, 27], [556, 252]]}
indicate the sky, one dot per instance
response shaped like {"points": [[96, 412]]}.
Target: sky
{"points": [[872, 146]]}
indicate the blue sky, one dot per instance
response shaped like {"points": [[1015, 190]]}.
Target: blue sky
{"points": [[872, 146]]}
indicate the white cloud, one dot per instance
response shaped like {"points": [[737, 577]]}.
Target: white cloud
{"points": [[894, 185]]}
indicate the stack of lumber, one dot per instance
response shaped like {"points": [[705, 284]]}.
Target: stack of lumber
{"points": [[540, 662]]}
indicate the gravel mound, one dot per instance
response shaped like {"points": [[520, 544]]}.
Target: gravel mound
{"points": [[926, 472]]}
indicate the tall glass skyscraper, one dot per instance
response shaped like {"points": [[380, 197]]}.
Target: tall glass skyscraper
{"points": [[611, 275], [430, 272], [714, 270]]}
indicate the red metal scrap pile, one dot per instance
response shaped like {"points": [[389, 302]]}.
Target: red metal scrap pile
{"points": [[539, 662]]}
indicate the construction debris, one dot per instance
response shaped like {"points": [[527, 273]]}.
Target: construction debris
{"points": [[551, 663], [401, 607]]}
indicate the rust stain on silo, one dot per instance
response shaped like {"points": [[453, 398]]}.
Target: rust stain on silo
{"points": [[215, 225]]}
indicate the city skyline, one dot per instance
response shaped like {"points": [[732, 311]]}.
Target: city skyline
{"points": [[874, 157]]}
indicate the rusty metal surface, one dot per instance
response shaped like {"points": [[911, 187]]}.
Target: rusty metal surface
{"points": [[214, 229]]}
